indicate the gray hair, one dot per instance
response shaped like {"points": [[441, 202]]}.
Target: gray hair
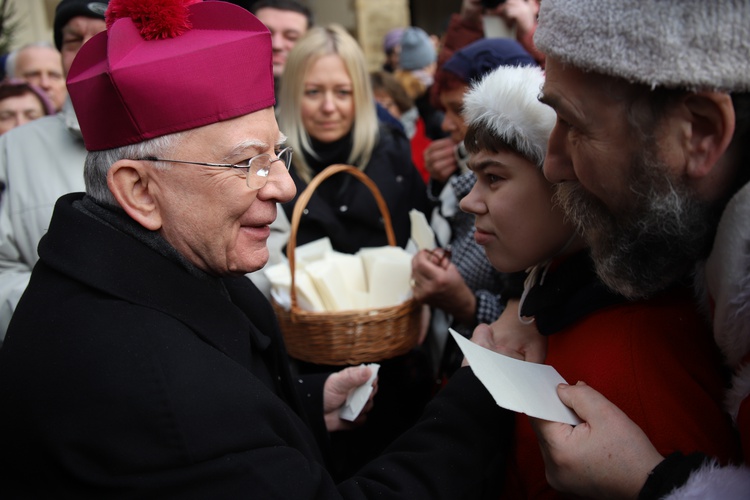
{"points": [[10, 61], [98, 163]]}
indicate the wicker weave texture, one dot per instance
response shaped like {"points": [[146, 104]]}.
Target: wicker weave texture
{"points": [[345, 337]]}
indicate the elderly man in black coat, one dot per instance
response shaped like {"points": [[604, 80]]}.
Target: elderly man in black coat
{"points": [[140, 362]]}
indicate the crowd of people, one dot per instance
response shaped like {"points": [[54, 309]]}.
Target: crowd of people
{"points": [[585, 181]]}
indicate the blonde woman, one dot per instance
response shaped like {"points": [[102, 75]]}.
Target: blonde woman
{"points": [[328, 113]]}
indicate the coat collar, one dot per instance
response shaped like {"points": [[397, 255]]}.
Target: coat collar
{"points": [[147, 279]]}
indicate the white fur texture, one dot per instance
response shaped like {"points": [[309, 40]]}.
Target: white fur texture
{"points": [[670, 43], [727, 274], [713, 482], [506, 100]]}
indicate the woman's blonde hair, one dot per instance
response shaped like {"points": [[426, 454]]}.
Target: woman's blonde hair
{"points": [[318, 42]]}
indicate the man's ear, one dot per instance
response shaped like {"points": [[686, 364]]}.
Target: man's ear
{"points": [[131, 184], [712, 123]]}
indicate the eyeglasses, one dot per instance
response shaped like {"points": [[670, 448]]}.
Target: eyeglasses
{"points": [[256, 168]]}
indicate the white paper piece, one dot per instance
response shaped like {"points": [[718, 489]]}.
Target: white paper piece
{"points": [[389, 279], [516, 385], [312, 251], [421, 232], [329, 282], [358, 397]]}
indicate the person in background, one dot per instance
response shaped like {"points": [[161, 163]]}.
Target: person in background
{"points": [[446, 157], [521, 16], [288, 21], [20, 103], [467, 26], [40, 64], [650, 152], [392, 49], [52, 144], [464, 290], [391, 96], [327, 113], [140, 362], [416, 74]]}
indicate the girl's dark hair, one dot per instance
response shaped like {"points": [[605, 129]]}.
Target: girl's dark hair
{"points": [[479, 137]]}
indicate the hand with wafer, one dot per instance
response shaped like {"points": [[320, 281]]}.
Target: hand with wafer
{"points": [[437, 282]]}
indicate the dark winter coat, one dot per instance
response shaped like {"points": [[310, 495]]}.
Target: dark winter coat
{"points": [[125, 376]]}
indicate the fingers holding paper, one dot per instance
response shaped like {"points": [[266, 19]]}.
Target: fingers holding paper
{"points": [[607, 455], [437, 282], [348, 396]]}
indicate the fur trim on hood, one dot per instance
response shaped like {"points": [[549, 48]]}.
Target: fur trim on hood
{"points": [[727, 275], [712, 481]]}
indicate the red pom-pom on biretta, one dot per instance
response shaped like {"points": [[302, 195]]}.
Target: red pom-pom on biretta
{"points": [[154, 18]]}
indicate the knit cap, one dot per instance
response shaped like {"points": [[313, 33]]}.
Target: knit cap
{"points": [[479, 58], [506, 102], [692, 44], [417, 50], [169, 66], [392, 39], [68, 9]]}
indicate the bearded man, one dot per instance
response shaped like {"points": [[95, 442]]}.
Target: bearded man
{"points": [[650, 155]]}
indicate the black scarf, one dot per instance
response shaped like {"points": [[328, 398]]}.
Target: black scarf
{"points": [[569, 292], [327, 154]]}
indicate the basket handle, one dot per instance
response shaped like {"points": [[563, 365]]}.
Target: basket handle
{"points": [[304, 198]]}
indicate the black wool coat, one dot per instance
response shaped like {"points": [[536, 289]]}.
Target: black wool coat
{"points": [[123, 376]]}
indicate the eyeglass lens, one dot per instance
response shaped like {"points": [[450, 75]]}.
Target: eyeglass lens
{"points": [[260, 167]]}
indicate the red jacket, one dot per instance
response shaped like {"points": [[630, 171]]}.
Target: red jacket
{"points": [[657, 361]]}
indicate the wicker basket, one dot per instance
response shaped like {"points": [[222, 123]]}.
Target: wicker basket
{"points": [[345, 337]]}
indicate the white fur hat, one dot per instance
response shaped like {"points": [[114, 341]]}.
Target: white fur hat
{"points": [[692, 44], [506, 101]]}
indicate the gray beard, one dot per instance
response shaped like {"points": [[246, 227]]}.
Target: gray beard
{"points": [[653, 243]]}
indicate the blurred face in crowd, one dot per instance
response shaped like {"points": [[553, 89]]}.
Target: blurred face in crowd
{"points": [[286, 28], [384, 99], [17, 110], [623, 191], [452, 101], [42, 66], [209, 214], [393, 56], [515, 219], [328, 99], [74, 34]]}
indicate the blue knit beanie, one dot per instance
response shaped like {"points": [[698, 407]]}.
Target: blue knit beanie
{"points": [[417, 50], [474, 61]]}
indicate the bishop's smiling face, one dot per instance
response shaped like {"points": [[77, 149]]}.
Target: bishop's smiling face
{"points": [[209, 214]]}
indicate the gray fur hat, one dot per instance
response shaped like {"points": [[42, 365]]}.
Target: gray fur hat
{"points": [[506, 102], [693, 44]]}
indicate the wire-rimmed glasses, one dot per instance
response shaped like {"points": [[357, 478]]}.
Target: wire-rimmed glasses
{"points": [[256, 168]]}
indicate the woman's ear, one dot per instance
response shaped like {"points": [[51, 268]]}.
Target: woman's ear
{"points": [[130, 182], [712, 121]]}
